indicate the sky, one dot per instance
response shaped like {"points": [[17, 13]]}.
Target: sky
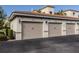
{"points": [[10, 8]]}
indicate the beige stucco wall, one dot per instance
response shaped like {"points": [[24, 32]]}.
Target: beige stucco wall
{"points": [[70, 13], [45, 28], [63, 28], [18, 36], [76, 28], [47, 10], [13, 25], [16, 25]]}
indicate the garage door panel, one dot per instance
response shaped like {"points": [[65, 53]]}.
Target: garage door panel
{"points": [[78, 28], [70, 29], [32, 30], [54, 29]]}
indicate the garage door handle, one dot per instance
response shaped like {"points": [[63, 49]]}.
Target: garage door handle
{"points": [[45, 31], [64, 30]]}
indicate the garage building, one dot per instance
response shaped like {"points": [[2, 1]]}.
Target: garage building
{"points": [[29, 25]]}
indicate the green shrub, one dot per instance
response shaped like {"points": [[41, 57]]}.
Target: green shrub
{"points": [[6, 32], [1, 32], [3, 37], [10, 34]]}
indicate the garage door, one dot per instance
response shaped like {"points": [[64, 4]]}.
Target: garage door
{"points": [[54, 29], [70, 28], [32, 30], [78, 28]]}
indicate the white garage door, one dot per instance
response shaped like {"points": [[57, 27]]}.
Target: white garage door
{"points": [[70, 28], [54, 29], [32, 30], [78, 28]]}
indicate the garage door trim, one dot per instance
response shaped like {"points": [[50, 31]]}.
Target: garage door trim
{"points": [[57, 23], [31, 22]]}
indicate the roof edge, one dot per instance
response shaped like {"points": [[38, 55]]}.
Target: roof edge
{"points": [[20, 13], [71, 10], [46, 6]]}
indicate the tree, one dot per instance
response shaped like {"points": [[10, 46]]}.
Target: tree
{"points": [[60, 12], [2, 17], [1, 24], [2, 13], [6, 24]]}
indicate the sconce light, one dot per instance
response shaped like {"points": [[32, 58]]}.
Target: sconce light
{"points": [[19, 21], [46, 22]]}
